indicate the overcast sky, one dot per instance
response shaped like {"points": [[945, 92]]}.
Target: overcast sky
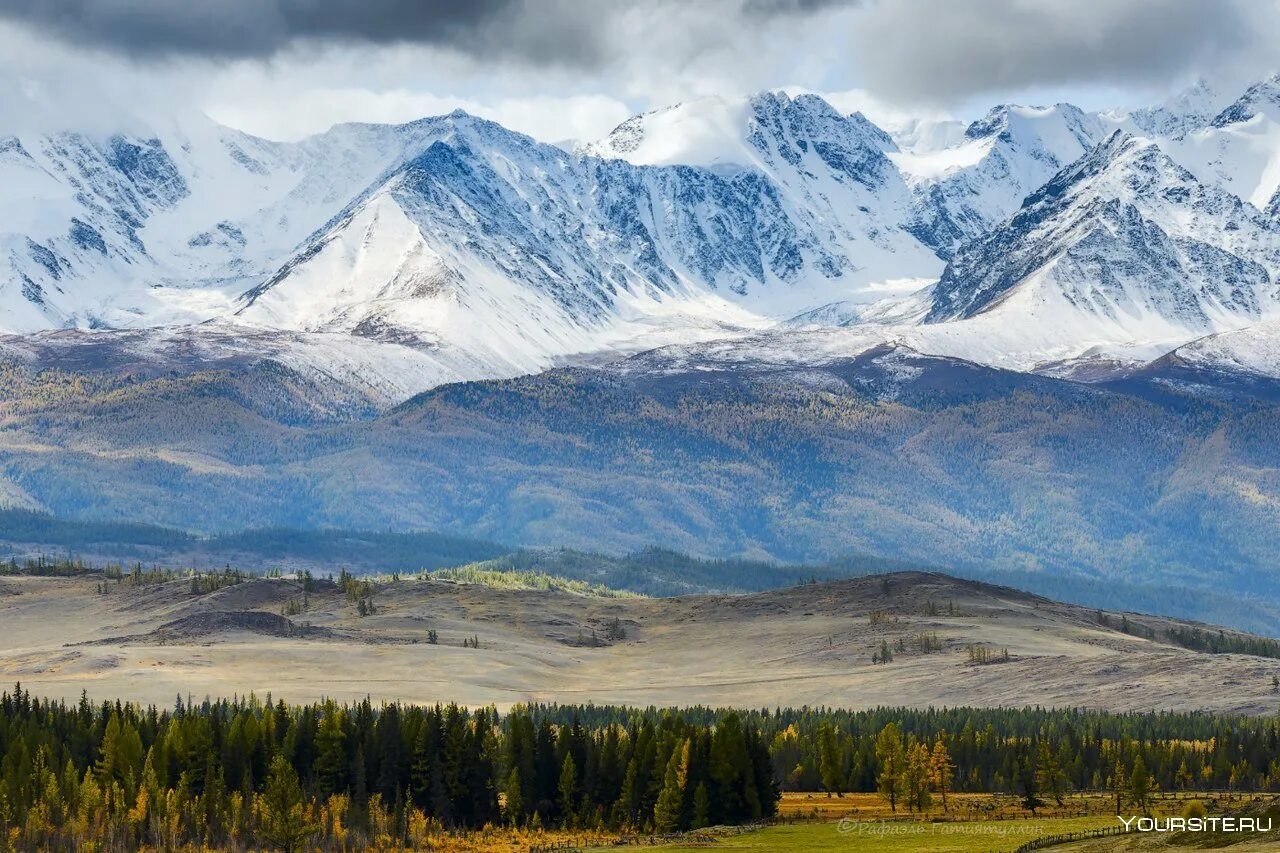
{"points": [[561, 69]]}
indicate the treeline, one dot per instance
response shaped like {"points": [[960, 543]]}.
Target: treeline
{"points": [[1220, 642], [478, 573], [383, 550], [328, 776], [47, 567], [114, 574], [654, 571], [994, 749], [24, 525]]}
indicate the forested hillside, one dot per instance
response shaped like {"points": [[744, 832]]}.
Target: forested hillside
{"points": [[922, 460]]}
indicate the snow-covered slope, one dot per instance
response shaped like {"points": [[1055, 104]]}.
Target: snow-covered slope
{"points": [[1192, 109], [496, 243], [1124, 240], [963, 190], [166, 222], [831, 174], [1239, 150], [1253, 349]]}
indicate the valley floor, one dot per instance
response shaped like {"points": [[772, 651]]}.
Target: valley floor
{"points": [[807, 645]]}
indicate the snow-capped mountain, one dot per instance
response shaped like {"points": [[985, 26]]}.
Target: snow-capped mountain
{"points": [[832, 173], [1192, 109], [1123, 238], [457, 224], [1032, 235], [166, 222], [961, 191], [1251, 350], [494, 241], [1239, 149]]}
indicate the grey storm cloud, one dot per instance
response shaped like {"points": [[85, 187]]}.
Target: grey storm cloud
{"points": [[539, 30], [939, 49], [569, 32]]}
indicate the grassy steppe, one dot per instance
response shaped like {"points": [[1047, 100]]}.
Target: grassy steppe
{"points": [[994, 836]]}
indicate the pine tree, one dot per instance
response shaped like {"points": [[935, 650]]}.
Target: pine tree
{"points": [[515, 797], [284, 822], [330, 766], [1028, 789], [568, 787], [701, 807], [1119, 784], [830, 763], [917, 777], [1049, 776], [390, 754], [1140, 785]]}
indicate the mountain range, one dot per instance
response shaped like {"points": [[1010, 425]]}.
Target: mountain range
{"points": [[1037, 235], [1047, 341]]}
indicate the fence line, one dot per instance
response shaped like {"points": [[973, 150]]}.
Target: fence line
{"points": [[694, 836], [1067, 837]]}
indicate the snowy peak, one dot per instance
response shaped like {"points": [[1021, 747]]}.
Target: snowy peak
{"points": [[1124, 237], [79, 208], [1192, 109], [1239, 150], [572, 244], [497, 254], [738, 132], [1060, 132], [708, 132], [963, 191], [1263, 96]]}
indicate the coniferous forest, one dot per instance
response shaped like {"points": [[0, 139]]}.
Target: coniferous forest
{"points": [[250, 773]]}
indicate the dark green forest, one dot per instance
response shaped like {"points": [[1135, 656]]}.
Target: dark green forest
{"points": [[381, 550], [245, 771], [229, 772]]}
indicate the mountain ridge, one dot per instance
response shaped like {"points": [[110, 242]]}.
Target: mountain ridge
{"points": [[491, 254]]}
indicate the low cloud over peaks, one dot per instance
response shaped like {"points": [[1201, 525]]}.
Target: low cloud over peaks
{"points": [[938, 51]]}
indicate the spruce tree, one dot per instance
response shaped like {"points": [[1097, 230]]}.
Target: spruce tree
{"points": [[568, 787], [1140, 785], [1050, 778], [701, 807], [515, 798], [667, 810]]}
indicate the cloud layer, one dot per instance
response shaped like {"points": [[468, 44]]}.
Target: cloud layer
{"points": [[569, 32], [935, 50], [262, 28], [562, 68]]}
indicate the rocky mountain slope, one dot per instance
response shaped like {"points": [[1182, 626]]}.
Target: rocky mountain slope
{"points": [[452, 232], [964, 190], [1123, 236]]}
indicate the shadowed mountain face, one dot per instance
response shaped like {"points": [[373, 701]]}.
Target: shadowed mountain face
{"points": [[1126, 235], [1152, 479]]}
